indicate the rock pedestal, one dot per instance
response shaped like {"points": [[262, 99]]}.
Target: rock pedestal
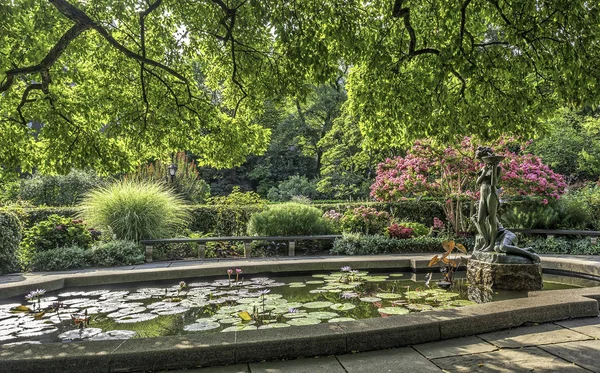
{"points": [[500, 271]]}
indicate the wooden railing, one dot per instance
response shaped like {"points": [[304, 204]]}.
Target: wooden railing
{"points": [[247, 240]]}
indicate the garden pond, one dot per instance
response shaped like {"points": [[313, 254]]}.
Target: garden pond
{"points": [[234, 302]]}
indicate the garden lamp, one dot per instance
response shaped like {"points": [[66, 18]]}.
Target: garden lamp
{"points": [[172, 170]]}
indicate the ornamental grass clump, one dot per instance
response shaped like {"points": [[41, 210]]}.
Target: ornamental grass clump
{"points": [[135, 210]]}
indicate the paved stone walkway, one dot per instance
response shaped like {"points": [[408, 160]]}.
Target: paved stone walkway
{"points": [[565, 346]]}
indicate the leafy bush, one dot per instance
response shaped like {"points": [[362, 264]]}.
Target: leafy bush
{"points": [[358, 244], [186, 183], [135, 210], [417, 228], [53, 190], [52, 233], [367, 220], [565, 213], [399, 231], [293, 186], [562, 245], [287, 219], [589, 197], [116, 253], [10, 236], [60, 259]]}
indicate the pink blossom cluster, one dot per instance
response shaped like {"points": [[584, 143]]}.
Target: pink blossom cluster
{"points": [[332, 215], [451, 173], [438, 224]]}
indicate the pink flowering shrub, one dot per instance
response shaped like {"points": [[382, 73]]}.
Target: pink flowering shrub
{"points": [[367, 220], [451, 173]]}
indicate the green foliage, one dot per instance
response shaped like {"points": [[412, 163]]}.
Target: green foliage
{"points": [[116, 253], [287, 219], [135, 210], [419, 229], [53, 233], [292, 187], [233, 212], [54, 190], [568, 212], [589, 197], [60, 259], [362, 219], [572, 146], [358, 244], [32, 216], [186, 182], [10, 236], [562, 245]]}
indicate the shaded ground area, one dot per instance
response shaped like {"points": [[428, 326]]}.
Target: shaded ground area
{"points": [[565, 346]]}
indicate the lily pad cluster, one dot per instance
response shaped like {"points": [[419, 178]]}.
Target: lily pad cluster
{"points": [[229, 304]]}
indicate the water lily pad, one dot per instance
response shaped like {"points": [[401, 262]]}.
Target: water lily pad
{"points": [[79, 334], [202, 325], [274, 325], [314, 282], [299, 285], [370, 299], [319, 275], [238, 328], [340, 319], [393, 310], [171, 311], [248, 300], [419, 307], [322, 315], [342, 306], [317, 291], [113, 335], [388, 295], [304, 321], [396, 274], [312, 305], [412, 295], [134, 318], [295, 315]]}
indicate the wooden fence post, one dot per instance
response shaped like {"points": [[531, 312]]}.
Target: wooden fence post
{"points": [[292, 248]]}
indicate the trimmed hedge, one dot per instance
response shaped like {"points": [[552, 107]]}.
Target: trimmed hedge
{"points": [[357, 244], [561, 245], [10, 236], [113, 253]]}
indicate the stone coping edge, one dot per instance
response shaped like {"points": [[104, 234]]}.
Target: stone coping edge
{"points": [[182, 270], [225, 348]]}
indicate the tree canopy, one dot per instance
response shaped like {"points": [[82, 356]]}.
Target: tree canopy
{"points": [[107, 83]]}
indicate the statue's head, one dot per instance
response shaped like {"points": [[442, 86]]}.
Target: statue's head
{"points": [[483, 151]]}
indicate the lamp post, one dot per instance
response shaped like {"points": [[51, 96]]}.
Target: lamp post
{"points": [[172, 170]]}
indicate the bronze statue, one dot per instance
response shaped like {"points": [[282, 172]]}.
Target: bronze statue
{"points": [[492, 237]]}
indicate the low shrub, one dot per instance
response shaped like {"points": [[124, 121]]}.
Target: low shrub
{"points": [[399, 231], [419, 229], [561, 245], [10, 236], [52, 233], [60, 259], [362, 219], [358, 244], [568, 212], [116, 253], [135, 210], [287, 219], [53, 190]]}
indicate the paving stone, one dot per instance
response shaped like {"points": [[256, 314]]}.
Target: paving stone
{"points": [[238, 368], [529, 359], [587, 326], [397, 360], [318, 365], [453, 347], [532, 336], [584, 353]]}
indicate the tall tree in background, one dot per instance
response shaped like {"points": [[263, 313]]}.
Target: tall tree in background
{"points": [[116, 82]]}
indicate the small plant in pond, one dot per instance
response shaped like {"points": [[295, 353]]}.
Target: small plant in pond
{"points": [[238, 272], [35, 296], [229, 273], [448, 265], [182, 285], [81, 320]]}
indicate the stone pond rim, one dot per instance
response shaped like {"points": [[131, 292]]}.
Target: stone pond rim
{"points": [[214, 349]]}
